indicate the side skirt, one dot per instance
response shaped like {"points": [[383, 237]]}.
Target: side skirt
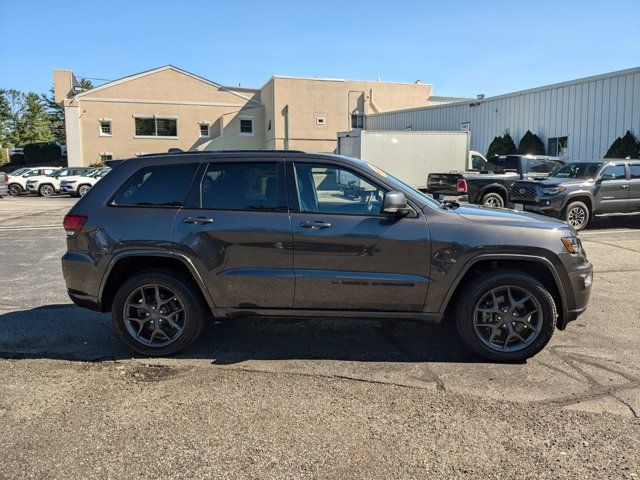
{"points": [[431, 318]]}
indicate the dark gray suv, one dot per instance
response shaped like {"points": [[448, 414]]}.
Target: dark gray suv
{"points": [[166, 241]]}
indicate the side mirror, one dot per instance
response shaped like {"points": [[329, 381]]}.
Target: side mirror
{"points": [[395, 203], [608, 176]]}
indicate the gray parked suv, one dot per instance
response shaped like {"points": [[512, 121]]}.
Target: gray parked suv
{"points": [[166, 241]]}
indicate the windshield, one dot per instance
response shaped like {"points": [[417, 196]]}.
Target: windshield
{"points": [[20, 171], [404, 186], [55, 173], [577, 170]]}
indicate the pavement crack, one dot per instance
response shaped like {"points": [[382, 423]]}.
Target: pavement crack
{"points": [[627, 404], [328, 376]]}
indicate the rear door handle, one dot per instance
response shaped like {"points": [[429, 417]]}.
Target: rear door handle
{"points": [[624, 187], [198, 220], [318, 225]]}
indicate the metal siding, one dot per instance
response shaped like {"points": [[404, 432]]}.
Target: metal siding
{"points": [[592, 112]]}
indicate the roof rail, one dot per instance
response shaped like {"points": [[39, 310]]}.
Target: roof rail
{"points": [[208, 152]]}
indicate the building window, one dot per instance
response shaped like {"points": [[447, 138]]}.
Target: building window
{"points": [[105, 128], [156, 127], [357, 120], [269, 127], [321, 121], [204, 130], [558, 147], [246, 126], [105, 157]]}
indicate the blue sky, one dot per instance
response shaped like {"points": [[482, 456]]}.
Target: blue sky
{"points": [[461, 47]]}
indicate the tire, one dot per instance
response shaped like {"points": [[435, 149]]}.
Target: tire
{"points": [[82, 190], [46, 190], [15, 189], [492, 200], [183, 295], [577, 215], [477, 331]]}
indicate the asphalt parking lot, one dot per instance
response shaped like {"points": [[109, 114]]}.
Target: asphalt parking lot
{"points": [[325, 398]]}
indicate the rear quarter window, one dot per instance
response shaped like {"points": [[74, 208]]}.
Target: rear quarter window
{"points": [[160, 185]]}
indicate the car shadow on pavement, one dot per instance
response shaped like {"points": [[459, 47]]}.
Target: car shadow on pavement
{"points": [[67, 332]]}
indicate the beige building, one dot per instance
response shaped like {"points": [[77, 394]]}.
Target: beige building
{"points": [[168, 107]]}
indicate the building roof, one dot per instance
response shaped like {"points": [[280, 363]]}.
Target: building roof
{"points": [[161, 69]]}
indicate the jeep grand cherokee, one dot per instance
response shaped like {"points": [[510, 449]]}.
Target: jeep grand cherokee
{"points": [[166, 241]]}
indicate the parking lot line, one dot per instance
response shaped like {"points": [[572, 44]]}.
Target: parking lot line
{"points": [[14, 228]]}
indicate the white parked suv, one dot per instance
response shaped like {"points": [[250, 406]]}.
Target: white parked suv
{"points": [[79, 185], [17, 180], [48, 185]]}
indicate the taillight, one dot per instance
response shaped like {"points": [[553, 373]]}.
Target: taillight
{"points": [[462, 185], [6, 179], [74, 223]]}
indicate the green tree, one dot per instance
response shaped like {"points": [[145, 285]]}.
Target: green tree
{"points": [[86, 84], [34, 125], [530, 144], [13, 103], [503, 145], [623, 147], [56, 117]]}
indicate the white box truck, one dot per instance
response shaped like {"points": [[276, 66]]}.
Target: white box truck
{"points": [[411, 156]]}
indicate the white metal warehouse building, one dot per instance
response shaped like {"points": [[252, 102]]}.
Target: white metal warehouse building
{"points": [[579, 119]]}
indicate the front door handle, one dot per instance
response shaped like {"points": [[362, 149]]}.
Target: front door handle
{"points": [[624, 187], [318, 225], [198, 220]]}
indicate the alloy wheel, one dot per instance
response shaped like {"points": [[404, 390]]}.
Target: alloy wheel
{"points": [[493, 202], [46, 190], [15, 189], [508, 318], [82, 191], [154, 315], [576, 217]]}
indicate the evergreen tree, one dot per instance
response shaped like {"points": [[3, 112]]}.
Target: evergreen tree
{"points": [[508, 145], [86, 84], [530, 144], [13, 102], [495, 147], [623, 147], [56, 117], [34, 126]]}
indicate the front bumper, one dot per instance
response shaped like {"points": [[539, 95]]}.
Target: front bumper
{"points": [[577, 288], [550, 205], [69, 189]]}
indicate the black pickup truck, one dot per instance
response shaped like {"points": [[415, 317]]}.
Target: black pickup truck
{"points": [[490, 187], [578, 191]]}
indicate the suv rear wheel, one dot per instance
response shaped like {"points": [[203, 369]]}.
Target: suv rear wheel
{"points": [[158, 313], [577, 215], [15, 189], [493, 200], [506, 316]]}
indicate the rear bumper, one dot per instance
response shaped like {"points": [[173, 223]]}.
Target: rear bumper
{"points": [[84, 300], [80, 275]]}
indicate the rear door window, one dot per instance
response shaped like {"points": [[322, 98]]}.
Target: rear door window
{"points": [[242, 186], [537, 166], [160, 185], [635, 171]]}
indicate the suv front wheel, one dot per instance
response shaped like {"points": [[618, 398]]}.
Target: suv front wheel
{"points": [[506, 316], [158, 313]]}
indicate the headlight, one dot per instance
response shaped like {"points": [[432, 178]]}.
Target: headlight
{"points": [[552, 190], [572, 244]]}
